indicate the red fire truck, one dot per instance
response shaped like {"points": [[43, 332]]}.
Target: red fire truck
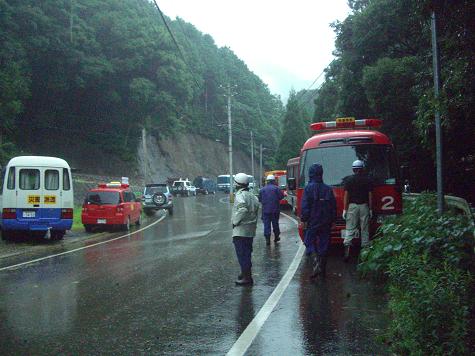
{"points": [[335, 146]]}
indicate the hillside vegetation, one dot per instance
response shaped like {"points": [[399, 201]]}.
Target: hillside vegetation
{"points": [[82, 78], [383, 68]]}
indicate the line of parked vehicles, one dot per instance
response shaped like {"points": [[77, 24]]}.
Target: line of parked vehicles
{"points": [[36, 197]]}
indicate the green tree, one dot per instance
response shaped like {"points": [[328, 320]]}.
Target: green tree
{"points": [[294, 133]]}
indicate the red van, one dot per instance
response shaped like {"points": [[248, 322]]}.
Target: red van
{"points": [[112, 204]]}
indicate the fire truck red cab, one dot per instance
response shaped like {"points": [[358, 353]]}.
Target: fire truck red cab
{"points": [[336, 145]]}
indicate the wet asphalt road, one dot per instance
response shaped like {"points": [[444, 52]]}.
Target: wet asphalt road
{"points": [[169, 289]]}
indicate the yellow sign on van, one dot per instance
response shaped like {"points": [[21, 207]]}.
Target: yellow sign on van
{"points": [[33, 199], [50, 199]]}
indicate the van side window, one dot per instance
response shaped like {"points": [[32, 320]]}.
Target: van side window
{"points": [[66, 182], [2, 179], [11, 178], [29, 179], [51, 179]]}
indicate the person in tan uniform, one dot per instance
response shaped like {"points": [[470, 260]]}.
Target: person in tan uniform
{"points": [[357, 206]]}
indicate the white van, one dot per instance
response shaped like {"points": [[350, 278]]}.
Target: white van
{"points": [[37, 196]]}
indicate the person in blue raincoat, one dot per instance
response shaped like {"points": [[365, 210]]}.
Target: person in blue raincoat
{"points": [[317, 214], [270, 196]]}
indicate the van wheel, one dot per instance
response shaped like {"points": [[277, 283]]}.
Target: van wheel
{"points": [[57, 235], [7, 235], [126, 226]]}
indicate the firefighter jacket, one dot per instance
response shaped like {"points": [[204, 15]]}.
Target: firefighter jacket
{"points": [[270, 197], [318, 201], [244, 216]]}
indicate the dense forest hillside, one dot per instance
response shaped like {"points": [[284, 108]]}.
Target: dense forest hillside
{"points": [[82, 78], [383, 68]]}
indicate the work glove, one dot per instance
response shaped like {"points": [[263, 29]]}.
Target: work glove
{"points": [[344, 215]]}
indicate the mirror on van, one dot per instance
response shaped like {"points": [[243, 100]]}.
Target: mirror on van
{"points": [[291, 184]]}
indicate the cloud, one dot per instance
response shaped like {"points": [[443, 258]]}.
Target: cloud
{"points": [[287, 44]]}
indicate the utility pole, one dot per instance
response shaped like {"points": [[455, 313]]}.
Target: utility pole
{"points": [[145, 154], [260, 167], [438, 128], [252, 161], [230, 144], [71, 21]]}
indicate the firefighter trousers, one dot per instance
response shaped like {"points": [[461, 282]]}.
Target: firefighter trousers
{"points": [[357, 217]]}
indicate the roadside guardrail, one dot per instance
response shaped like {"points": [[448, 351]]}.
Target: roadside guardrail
{"points": [[457, 203]]}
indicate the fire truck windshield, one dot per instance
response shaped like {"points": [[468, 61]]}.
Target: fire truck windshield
{"points": [[380, 163]]}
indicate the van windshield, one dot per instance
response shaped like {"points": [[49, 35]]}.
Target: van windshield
{"points": [[223, 180], [103, 198], [380, 163], [155, 189]]}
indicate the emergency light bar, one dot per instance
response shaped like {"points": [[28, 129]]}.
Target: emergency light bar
{"points": [[346, 123], [113, 185]]}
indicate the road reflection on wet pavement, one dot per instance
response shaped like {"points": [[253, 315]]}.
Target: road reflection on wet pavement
{"points": [[170, 290]]}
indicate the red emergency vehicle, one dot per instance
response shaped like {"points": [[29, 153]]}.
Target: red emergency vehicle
{"points": [[111, 204], [336, 145]]}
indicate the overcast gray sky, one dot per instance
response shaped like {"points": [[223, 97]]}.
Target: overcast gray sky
{"points": [[287, 43]]}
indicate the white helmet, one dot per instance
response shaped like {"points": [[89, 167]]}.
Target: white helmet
{"points": [[270, 177], [357, 164], [241, 178]]}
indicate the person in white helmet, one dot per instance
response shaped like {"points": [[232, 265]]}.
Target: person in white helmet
{"points": [[357, 206], [270, 196], [244, 221]]}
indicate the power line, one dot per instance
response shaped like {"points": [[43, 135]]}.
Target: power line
{"points": [[176, 44], [311, 85]]}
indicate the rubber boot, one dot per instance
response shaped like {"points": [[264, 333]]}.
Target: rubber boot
{"points": [[346, 256], [316, 267], [267, 240], [276, 238], [246, 279]]}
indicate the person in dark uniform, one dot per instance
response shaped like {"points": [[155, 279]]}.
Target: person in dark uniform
{"points": [[318, 213], [357, 206], [270, 197]]}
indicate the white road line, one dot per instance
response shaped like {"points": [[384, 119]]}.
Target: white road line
{"points": [[80, 248], [247, 337]]}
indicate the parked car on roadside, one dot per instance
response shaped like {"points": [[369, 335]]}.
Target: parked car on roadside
{"points": [[112, 205], [183, 187], [157, 196]]}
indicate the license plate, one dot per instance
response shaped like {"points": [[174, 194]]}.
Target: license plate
{"points": [[28, 214], [101, 221]]}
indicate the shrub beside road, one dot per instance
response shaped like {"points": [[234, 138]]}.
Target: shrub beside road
{"points": [[427, 263]]}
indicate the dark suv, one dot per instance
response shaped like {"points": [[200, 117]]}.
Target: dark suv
{"points": [[157, 196]]}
